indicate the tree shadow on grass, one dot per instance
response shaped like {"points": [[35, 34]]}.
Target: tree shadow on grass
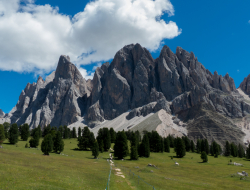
{"points": [[7, 144], [77, 149], [202, 162]]}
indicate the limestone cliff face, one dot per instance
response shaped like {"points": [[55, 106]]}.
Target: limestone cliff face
{"points": [[134, 82], [59, 100]]}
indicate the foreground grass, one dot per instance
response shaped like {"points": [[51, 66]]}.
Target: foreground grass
{"points": [[26, 168]]}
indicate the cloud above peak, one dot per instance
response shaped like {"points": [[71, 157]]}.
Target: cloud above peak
{"points": [[33, 36]]}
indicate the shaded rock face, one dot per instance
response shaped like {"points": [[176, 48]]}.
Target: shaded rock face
{"points": [[245, 85], [2, 114], [58, 100]]}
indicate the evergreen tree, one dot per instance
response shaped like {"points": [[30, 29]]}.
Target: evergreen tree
{"points": [[69, 133], [39, 131], [106, 139], [134, 153], [187, 143], [144, 149], [212, 150], [192, 146], [100, 144], [112, 134], [171, 141], [46, 130], [34, 141], [216, 151], [47, 144], [61, 130], [95, 149], [74, 132], [6, 129], [91, 140], [79, 132], [13, 134], [155, 142], [121, 145], [198, 146], [83, 141], [58, 142], [248, 152], [137, 133], [206, 146], [161, 146], [240, 151], [227, 149], [234, 150], [65, 132], [180, 148], [25, 132], [202, 145], [53, 132], [2, 134], [204, 156], [166, 145]]}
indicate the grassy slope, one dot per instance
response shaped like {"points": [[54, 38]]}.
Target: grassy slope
{"points": [[22, 168]]}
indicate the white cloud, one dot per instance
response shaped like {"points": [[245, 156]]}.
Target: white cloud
{"points": [[33, 37], [87, 75], [249, 22]]}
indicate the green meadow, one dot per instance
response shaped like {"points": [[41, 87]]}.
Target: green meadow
{"points": [[28, 168]]}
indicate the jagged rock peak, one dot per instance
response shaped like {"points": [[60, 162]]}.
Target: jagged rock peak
{"points": [[2, 114], [245, 85]]}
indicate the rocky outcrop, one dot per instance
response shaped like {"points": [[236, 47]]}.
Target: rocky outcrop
{"points": [[245, 85], [2, 114]]}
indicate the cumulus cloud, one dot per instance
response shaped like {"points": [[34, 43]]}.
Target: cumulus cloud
{"points": [[33, 36]]}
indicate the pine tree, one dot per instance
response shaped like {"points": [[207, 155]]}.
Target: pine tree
{"points": [[144, 149], [46, 130], [166, 145], [206, 146], [121, 145], [34, 142], [25, 132], [216, 151], [137, 133], [2, 134], [180, 148], [95, 149], [171, 141], [58, 142], [202, 145], [6, 129], [212, 150], [83, 141], [248, 152], [240, 151], [65, 132], [91, 140], [39, 131], [187, 143], [204, 156], [47, 144], [161, 146], [198, 146], [13, 134], [79, 132], [112, 134], [192, 146], [227, 149], [100, 144], [69, 133], [106, 139], [74, 132], [134, 153], [61, 130]]}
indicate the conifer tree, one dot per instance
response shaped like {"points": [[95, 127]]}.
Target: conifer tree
{"points": [[204, 156], [211, 150], [134, 153], [39, 131], [144, 149], [171, 141], [240, 151], [83, 141], [2, 134], [25, 132], [248, 152], [69, 133], [47, 144], [91, 140], [161, 146], [79, 132], [65, 132], [100, 144], [61, 130], [180, 148], [112, 134], [192, 146], [187, 143], [95, 149], [46, 130], [206, 146], [58, 142], [202, 145], [34, 141], [198, 146], [227, 149], [106, 139], [121, 145], [166, 145], [6, 129], [13, 134], [216, 151], [138, 136], [74, 132]]}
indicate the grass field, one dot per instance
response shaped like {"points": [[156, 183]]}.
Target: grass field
{"points": [[28, 168]]}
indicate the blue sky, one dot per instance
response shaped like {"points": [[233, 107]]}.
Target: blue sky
{"points": [[217, 33]]}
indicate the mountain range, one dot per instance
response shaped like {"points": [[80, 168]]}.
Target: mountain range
{"points": [[173, 94]]}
